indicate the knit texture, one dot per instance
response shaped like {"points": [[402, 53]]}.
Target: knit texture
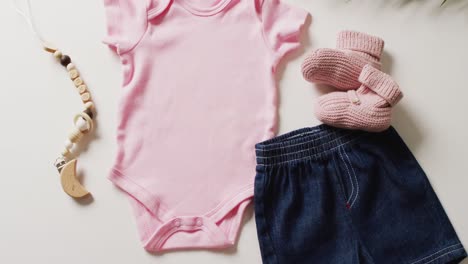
{"points": [[358, 41], [368, 108], [341, 67], [381, 83]]}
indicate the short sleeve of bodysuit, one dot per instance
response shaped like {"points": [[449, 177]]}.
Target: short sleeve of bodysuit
{"points": [[282, 25], [127, 21]]}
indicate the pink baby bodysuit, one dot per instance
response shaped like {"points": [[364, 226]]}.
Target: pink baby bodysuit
{"points": [[198, 93]]}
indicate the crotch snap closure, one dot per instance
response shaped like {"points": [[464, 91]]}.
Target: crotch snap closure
{"points": [[188, 222]]}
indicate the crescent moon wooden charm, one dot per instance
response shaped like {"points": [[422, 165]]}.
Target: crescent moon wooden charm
{"points": [[70, 183]]}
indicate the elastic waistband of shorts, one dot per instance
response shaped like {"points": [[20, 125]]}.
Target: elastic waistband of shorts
{"points": [[306, 143]]}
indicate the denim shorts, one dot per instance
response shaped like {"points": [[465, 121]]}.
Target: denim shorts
{"points": [[329, 195]]}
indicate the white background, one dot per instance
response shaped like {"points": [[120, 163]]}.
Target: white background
{"points": [[426, 52]]}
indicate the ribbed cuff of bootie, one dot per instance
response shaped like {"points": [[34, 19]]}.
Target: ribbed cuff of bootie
{"points": [[382, 84], [359, 41]]}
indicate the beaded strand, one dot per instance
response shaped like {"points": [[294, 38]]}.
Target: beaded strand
{"points": [[83, 121]]}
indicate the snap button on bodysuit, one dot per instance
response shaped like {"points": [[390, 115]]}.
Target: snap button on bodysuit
{"points": [[199, 222], [177, 222]]}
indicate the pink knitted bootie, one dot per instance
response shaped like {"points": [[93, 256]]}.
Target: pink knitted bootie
{"points": [[341, 67], [368, 108]]}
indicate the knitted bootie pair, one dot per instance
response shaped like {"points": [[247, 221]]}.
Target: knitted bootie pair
{"points": [[354, 67]]}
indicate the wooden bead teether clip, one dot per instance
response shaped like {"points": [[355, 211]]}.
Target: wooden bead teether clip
{"points": [[84, 124], [83, 121]]}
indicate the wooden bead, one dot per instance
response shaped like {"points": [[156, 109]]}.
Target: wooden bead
{"points": [[70, 66], [89, 109], [68, 144], [86, 97], [65, 60], [82, 88], [78, 81], [49, 47], [90, 106], [82, 125], [66, 153], [58, 54], [75, 136], [89, 112], [73, 74], [84, 116]]}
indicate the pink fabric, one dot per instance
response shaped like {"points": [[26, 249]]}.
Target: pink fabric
{"points": [[368, 108], [341, 67], [199, 92], [382, 84], [359, 41]]}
